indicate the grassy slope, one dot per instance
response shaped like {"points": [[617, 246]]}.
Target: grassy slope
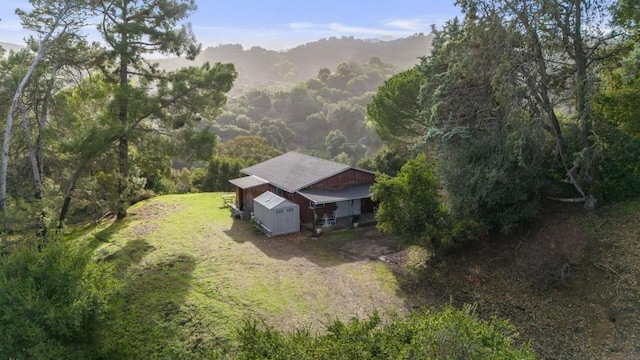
{"points": [[191, 274]]}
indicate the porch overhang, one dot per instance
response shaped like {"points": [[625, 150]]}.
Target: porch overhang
{"points": [[319, 197], [248, 182]]}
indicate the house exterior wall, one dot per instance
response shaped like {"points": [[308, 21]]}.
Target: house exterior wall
{"points": [[346, 178], [245, 197]]}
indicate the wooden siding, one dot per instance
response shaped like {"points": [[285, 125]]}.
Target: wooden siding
{"points": [[245, 197], [346, 178]]}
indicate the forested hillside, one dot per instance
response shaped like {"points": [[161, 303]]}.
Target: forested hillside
{"points": [[268, 69]]}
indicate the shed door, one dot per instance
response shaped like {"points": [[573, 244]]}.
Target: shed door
{"points": [[285, 221]]}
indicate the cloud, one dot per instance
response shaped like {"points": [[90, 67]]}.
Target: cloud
{"points": [[338, 29], [418, 24], [408, 24]]}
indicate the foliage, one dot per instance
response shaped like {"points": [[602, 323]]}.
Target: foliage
{"points": [[388, 160], [411, 207], [158, 100], [251, 149], [395, 108], [306, 114], [620, 164], [447, 334], [409, 203], [52, 299], [219, 171]]}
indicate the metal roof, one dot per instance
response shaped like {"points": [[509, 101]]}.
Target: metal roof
{"points": [[248, 182], [270, 201], [330, 196], [294, 171]]}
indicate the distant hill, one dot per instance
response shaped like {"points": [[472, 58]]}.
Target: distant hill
{"points": [[263, 68], [8, 46]]}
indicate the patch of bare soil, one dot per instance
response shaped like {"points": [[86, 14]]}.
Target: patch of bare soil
{"points": [[569, 282], [369, 244], [154, 210], [143, 229]]}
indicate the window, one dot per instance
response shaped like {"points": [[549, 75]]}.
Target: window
{"points": [[279, 211], [313, 205], [290, 210]]}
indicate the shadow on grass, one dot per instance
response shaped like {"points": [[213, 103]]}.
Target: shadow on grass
{"points": [[325, 251], [149, 319]]}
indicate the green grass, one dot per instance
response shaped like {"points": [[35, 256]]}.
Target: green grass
{"points": [[191, 274]]}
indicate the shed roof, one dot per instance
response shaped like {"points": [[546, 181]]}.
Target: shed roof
{"points": [[271, 201], [248, 182], [328, 196], [294, 171]]}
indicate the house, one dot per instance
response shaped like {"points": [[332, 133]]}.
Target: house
{"points": [[325, 191]]}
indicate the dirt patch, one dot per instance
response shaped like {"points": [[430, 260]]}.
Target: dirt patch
{"points": [[154, 210], [368, 244], [143, 229]]}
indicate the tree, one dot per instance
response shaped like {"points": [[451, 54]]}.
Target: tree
{"points": [[133, 29], [395, 108], [53, 23], [388, 160], [491, 152], [251, 149], [276, 131], [409, 203], [348, 118], [567, 43], [219, 171], [334, 142]]}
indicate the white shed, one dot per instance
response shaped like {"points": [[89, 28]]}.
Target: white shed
{"points": [[276, 215]]}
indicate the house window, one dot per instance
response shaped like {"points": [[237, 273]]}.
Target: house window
{"points": [[278, 191], [313, 205]]}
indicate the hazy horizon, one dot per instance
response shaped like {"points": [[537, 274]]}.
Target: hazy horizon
{"points": [[285, 24]]}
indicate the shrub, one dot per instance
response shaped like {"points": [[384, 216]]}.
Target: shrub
{"points": [[51, 301], [449, 334]]}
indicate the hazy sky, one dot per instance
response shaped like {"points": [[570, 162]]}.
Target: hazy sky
{"points": [[282, 24]]}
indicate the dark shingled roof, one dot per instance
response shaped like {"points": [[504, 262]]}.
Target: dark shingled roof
{"points": [[294, 171]]}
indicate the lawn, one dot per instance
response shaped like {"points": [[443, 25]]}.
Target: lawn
{"points": [[191, 274]]}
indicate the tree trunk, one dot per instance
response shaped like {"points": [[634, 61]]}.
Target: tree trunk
{"points": [[67, 198], [9, 124], [35, 168], [588, 157], [42, 124], [543, 88], [123, 144], [41, 215]]}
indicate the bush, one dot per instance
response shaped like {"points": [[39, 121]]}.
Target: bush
{"points": [[411, 206], [52, 299], [449, 334], [620, 165]]}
